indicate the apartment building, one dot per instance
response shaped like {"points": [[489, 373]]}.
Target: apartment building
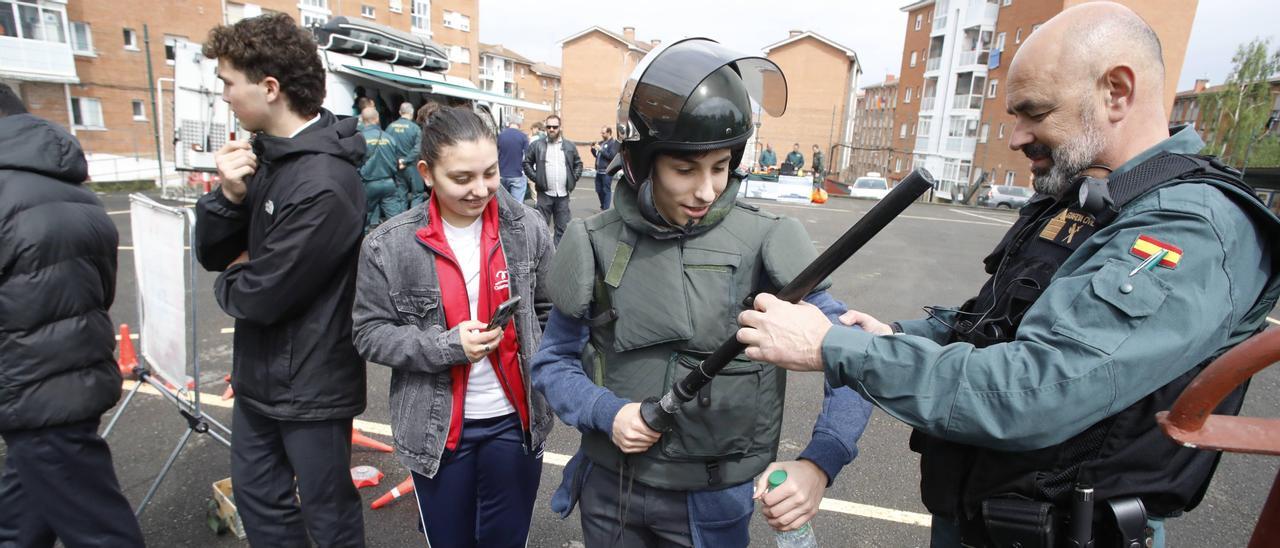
{"points": [[595, 63], [873, 134], [508, 73]]}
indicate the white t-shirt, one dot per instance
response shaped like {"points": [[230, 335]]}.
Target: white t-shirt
{"points": [[485, 398]]}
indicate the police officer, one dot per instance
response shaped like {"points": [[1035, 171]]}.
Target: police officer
{"points": [[407, 138], [1135, 265], [383, 200], [650, 287]]}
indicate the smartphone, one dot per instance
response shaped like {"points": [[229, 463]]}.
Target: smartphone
{"points": [[504, 313]]}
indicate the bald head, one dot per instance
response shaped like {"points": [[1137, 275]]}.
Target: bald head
{"points": [[1087, 89], [406, 110], [369, 116]]}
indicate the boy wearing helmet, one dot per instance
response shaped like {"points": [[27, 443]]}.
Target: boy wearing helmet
{"points": [[646, 290]]}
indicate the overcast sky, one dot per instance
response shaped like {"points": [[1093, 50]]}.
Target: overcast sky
{"points": [[872, 28]]}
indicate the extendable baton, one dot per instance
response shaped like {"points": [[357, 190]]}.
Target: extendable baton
{"points": [[659, 414]]}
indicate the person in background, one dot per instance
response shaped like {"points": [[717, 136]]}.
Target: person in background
{"points": [[512, 144], [407, 137], [604, 150], [378, 172]]}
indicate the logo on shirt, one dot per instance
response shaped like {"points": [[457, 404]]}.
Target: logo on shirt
{"points": [[1069, 228], [269, 207], [503, 280]]}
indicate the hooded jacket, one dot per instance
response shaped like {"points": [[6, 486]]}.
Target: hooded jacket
{"points": [[301, 223], [57, 281]]}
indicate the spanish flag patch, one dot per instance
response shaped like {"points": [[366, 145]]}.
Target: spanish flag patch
{"points": [[1146, 246]]}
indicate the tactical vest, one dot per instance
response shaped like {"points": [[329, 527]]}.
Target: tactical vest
{"points": [[657, 307], [1115, 455]]}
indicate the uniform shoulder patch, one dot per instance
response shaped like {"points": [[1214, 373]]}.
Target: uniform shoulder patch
{"points": [[1146, 246]]}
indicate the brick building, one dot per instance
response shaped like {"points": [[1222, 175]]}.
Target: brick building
{"points": [[595, 63], [822, 83], [84, 63], [873, 134], [506, 72], [1188, 108], [956, 56]]}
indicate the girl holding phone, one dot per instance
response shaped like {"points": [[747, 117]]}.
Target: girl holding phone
{"points": [[464, 414]]}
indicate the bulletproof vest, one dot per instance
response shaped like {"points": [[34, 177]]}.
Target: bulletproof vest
{"points": [[661, 305], [956, 478]]}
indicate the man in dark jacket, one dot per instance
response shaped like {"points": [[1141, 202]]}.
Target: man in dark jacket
{"points": [[511, 146], [57, 373], [604, 151], [284, 228], [553, 165]]}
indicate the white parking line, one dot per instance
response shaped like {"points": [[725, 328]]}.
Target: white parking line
{"points": [[121, 212], [227, 330], [1273, 320], [997, 222], [132, 336], [829, 504], [971, 214], [961, 221]]}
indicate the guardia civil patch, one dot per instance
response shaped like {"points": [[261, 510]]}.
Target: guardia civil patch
{"points": [[1146, 246], [1069, 229]]}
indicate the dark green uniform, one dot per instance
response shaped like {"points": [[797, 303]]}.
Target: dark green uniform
{"points": [[378, 173], [407, 138]]}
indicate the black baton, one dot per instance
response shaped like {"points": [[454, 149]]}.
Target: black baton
{"points": [[1082, 516], [659, 414]]}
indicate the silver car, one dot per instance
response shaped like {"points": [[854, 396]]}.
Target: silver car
{"points": [[1005, 196]]}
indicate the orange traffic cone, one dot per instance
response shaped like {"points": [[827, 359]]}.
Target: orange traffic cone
{"points": [[128, 360], [358, 438], [396, 492], [229, 392]]}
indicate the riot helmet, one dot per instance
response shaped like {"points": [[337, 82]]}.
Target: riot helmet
{"points": [[694, 95]]}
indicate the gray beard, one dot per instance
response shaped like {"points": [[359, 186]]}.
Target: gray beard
{"points": [[1071, 158]]}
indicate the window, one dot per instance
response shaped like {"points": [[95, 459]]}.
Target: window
{"points": [[139, 115], [171, 48], [32, 22], [420, 17], [907, 97], [395, 6], [1000, 132], [902, 133], [522, 94], [1017, 36], [897, 164], [913, 58], [544, 83], [131, 39], [455, 20], [1000, 42], [918, 21], [366, 11], [310, 19], [1005, 2], [314, 12], [86, 113], [991, 88], [982, 133], [1008, 177], [459, 54], [318, 4], [81, 38]]}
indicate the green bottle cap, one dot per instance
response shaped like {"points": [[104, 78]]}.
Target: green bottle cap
{"points": [[776, 478]]}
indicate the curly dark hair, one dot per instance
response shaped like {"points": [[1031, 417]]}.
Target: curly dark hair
{"points": [[273, 45]]}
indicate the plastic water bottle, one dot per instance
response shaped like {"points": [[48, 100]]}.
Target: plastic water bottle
{"points": [[796, 538]]}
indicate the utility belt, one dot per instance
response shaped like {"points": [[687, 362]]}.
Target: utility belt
{"points": [[1023, 523]]}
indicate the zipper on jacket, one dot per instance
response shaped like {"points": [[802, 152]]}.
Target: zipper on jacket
{"points": [[528, 399]]}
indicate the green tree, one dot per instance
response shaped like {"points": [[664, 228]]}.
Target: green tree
{"points": [[1234, 115]]}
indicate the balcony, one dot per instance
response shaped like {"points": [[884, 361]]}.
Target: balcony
{"points": [[37, 61], [922, 142], [974, 57], [939, 23], [927, 104], [963, 145], [933, 64], [490, 73], [967, 102]]}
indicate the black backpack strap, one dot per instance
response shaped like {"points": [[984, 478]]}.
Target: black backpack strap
{"points": [[1167, 168]]}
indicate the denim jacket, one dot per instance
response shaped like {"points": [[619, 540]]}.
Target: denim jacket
{"points": [[400, 323]]}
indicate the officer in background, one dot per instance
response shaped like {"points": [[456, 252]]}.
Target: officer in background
{"points": [[382, 200], [1106, 298], [407, 138]]}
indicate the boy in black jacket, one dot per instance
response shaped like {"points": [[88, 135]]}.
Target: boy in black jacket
{"points": [[284, 228]]}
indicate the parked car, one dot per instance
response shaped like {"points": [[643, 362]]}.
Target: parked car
{"points": [[1005, 196], [873, 188]]}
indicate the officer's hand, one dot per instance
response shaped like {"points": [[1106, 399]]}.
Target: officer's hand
{"points": [[630, 433], [476, 341], [866, 322], [784, 334], [796, 501], [236, 162]]}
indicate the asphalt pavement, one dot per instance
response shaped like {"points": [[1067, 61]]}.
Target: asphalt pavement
{"points": [[931, 255]]}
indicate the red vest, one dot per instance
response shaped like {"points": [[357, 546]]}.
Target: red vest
{"points": [[494, 289]]}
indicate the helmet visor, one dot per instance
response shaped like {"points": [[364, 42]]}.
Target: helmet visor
{"points": [[665, 79]]}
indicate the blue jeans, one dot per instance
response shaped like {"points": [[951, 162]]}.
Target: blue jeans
{"points": [[517, 186], [484, 491], [604, 189]]}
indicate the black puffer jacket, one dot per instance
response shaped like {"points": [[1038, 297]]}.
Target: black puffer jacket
{"points": [[57, 280], [301, 223]]}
